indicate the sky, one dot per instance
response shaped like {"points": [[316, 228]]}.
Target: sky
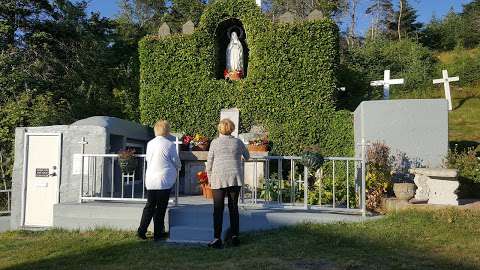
{"points": [[426, 9]]}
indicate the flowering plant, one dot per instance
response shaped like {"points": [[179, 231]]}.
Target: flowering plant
{"points": [[187, 139], [199, 140], [233, 75], [126, 154], [259, 141], [202, 177]]}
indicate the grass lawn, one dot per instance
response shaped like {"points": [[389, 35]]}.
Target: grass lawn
{"points": [[415, 239]]}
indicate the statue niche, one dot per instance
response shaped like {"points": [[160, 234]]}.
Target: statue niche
{"points": [[232, 50]]}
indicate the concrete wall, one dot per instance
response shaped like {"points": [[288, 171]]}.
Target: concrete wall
{"points": [[69, 184], [417, 127]]}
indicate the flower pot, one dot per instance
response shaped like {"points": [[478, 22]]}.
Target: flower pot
{"points": [[257, 148], [201, 147], [127, 166], [404, 191], [207, 191]]}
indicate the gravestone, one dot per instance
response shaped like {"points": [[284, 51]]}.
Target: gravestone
{"points": [[188, 28], [234, 115], [315, 15], [417, 127], [286, 17], [164, 30]]}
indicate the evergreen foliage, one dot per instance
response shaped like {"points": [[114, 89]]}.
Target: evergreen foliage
{"points": [[290, 87]]}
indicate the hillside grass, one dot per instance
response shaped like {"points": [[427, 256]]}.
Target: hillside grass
{"points": [[414, 239], [464, 120]]}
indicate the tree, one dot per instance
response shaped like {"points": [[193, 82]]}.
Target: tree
{"points": [[145, 14], [301, 8], [405, 21], [382, 13], [471, 16]]}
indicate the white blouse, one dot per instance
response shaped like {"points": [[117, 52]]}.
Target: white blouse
{"points": [[162, 164]]}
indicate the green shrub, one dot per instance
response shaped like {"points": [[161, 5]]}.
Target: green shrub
{"points": [[406, 59], [290, 87], [467, 163]]}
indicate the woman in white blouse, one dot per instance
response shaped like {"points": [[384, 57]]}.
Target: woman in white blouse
{"points": [[163, 164]]}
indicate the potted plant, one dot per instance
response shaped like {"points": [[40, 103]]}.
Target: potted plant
{"points": [[403, 187], [127, 161], [258, 145], [202, 178], [200, 143], [312, 159]]}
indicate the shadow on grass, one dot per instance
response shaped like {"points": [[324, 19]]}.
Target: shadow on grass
{"points": [[343, 246], [465, 99], [463, 146]]}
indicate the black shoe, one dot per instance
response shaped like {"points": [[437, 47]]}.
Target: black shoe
{"points": [[161, 237], [216, 243], [235, 241], [141, 236]]}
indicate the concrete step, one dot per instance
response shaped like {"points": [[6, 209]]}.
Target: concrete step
{"points": [[85, 216], [189, 234]]}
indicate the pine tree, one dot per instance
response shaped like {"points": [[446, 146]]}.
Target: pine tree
{"points": [[405, 21]]}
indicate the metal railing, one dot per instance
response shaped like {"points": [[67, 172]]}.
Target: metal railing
{"points": [[281, 182], [103, 180], [5, 201], [275, 182]]}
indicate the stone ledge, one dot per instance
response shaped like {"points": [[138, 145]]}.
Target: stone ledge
{"points": [[436, 172]]}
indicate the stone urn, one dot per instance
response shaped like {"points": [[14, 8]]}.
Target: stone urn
{"points": [[404, 191]]}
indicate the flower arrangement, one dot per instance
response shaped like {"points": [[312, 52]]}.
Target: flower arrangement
{"points": [[202, 178], [199, 143], [195, 143], [127, 161], [258, 144], [233, 75]]}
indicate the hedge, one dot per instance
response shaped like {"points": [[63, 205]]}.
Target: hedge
{"points": [[290, 88]]}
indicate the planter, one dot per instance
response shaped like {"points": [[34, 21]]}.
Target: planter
{"points": [[201, 147], [127, 166], [257, 148], [207, 192], [404, 191]]}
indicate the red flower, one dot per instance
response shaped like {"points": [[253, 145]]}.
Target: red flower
{"points": [[202, 177], [186, 139]]}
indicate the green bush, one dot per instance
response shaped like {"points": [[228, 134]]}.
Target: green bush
{"points": [[290, 87], [406, 59]]}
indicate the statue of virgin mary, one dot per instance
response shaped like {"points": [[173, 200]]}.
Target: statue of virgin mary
{"points": [[235, 54]]}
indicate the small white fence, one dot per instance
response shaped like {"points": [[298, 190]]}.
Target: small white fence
{"points": [[5, 202], [284, 183], [339, 185], [103, 180]]}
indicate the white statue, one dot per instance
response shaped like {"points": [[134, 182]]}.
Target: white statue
{"points": [[234, 54]]}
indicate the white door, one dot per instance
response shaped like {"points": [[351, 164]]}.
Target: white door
{"points": [[42, 178]]}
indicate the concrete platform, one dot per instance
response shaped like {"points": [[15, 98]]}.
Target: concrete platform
{"points": [[189, 222]]}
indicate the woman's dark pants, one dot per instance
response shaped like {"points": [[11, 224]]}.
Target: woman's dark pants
{"points": [[157, 203], [232, 194]]}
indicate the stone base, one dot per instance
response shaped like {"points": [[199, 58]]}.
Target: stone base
{"points": [[443, 192], [394, 204]]}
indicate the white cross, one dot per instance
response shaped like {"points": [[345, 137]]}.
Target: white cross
{"points": [[343, 89], [446, 84], [386, 83], [259, 3]]}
